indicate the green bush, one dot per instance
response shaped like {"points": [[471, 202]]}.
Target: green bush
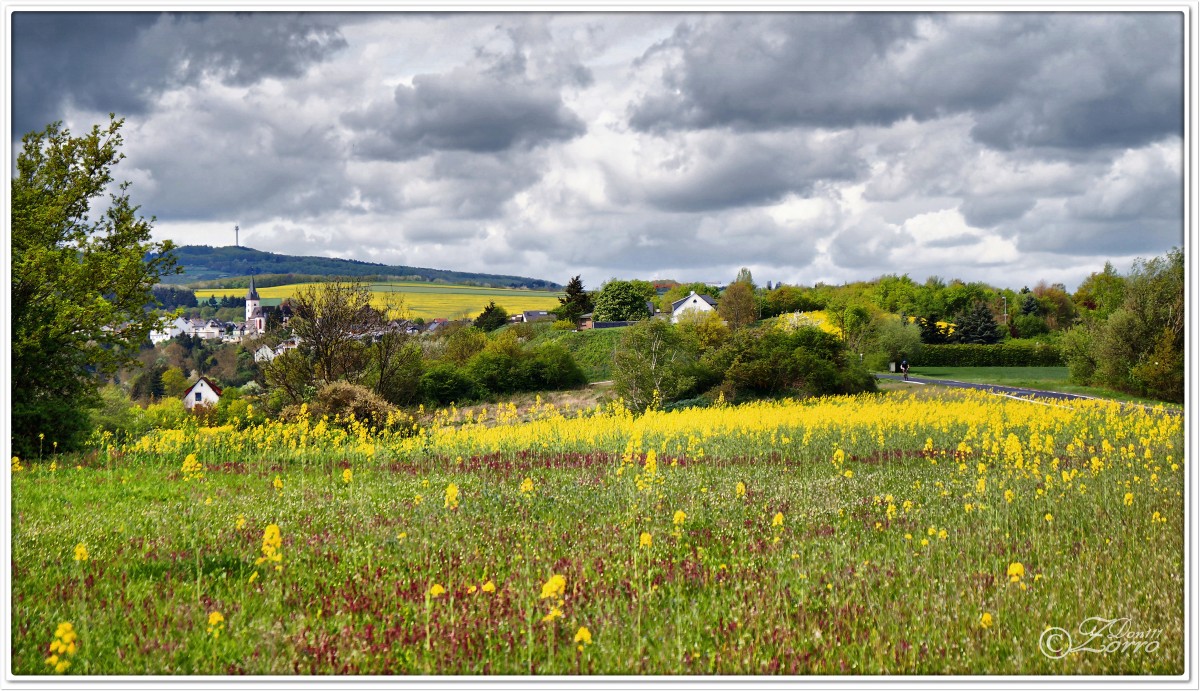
{"points": [[1005, 354], [444, 383], [1030, 325], [168, 413]]}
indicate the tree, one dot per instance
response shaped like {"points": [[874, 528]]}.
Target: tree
{"points": [[576, 301], [331, 319], [650, 365], [395, 358], [623, 301], [492, 317], [1030, 306], [932, 332], [744, 276], [737, 306], [977, 326], [80, 280]]}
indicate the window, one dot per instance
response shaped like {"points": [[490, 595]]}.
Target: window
{"points": [[198, 394]]}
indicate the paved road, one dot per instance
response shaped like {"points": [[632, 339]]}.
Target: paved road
{"points": [[1010, 391]]}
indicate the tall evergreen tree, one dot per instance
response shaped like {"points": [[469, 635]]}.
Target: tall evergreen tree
{"points": [[576, 302], [977, 326]]}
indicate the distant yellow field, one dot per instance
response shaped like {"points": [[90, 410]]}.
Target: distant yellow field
{"points": [[426, 300]]}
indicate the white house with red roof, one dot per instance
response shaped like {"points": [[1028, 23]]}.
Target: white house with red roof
{"points": [[203, 392]]}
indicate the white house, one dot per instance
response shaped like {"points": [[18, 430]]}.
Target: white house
{"points": [[693, 302], [203, 392], [170, 330], [264, 354]]}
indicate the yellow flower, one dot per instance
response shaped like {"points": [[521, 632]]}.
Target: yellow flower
{"points": [[451, 496], [555, 587], [347, 475], [645, 540], [271, 543], [848, 473], [436, 590], [489, 587], [16, 465], [278, 483], [241, 522], [253, 577], [417, 500], [471, 590], [192, 470], [679, 518], [740, 490], [1129, 499], [1008, 495], [986, 620], [81, 553], [583, 636], [1049, 518], [555, 613], [1016, 571], [216, 623], [526, 486], [777, 522]]}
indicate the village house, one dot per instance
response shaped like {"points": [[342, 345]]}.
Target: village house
{"points": [[691, 303], [202, 393]]}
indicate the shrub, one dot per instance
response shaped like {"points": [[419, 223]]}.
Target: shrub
{"points": [[1030, 325], [167, 414], [996, 355], [342, 400], [444, 383]]}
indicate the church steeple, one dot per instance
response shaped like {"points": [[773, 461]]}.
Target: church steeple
{"points": [[252, 294]]}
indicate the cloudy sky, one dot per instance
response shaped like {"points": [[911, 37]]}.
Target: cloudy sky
{"points": [[1007, 148]]}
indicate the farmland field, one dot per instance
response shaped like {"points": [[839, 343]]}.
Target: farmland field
{"points": [[426, 300], [896, 534]]}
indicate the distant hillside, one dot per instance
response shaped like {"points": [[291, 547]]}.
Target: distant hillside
{"points": [[204, 263]]}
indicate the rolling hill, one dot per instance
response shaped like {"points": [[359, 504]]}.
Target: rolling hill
{"points": [[202, 263]]}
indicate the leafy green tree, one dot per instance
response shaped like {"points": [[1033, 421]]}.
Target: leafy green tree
{"points": [[174, 382], [81, 278], [1030, 325], [575, 302], [291, 376], [492, 317], [977, 326], [651, 363], [1100, 293], [623, 301], [737, 306]]}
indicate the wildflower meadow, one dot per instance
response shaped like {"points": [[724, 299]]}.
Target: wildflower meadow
{"points": [[898, 533]]}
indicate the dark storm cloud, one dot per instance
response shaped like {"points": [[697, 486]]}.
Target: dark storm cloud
{"points": [[706, 173], [1056, 80], [464, 110], [120, 62], [985, 211]]}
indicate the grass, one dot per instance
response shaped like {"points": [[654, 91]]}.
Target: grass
{"points": [[425, 300], [864, 535], [592, 348]]}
